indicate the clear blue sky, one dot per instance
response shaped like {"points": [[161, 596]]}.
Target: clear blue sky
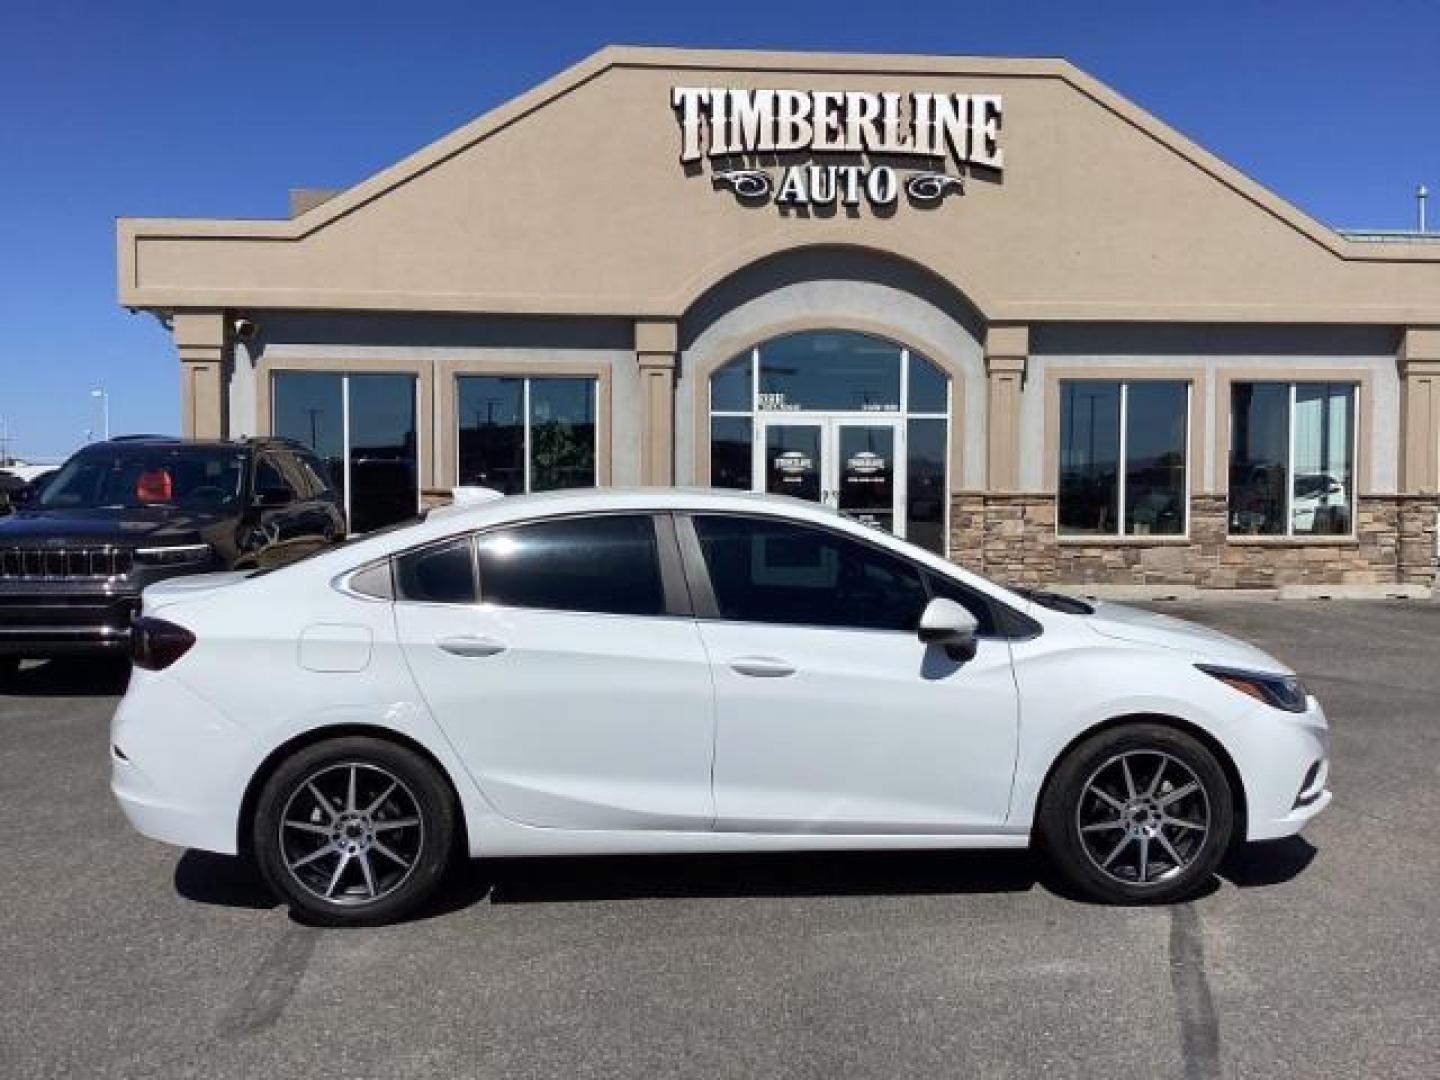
{"points": [[197, 108]]}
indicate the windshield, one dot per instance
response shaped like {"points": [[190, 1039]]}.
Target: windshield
{"points": [[129, 477]]}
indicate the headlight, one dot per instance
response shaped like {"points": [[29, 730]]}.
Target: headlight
{"points": [[1279, 691], [173, 556]]}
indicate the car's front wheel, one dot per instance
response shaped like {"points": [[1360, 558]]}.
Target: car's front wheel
{"points": [[1140, 813], [354, 831]]}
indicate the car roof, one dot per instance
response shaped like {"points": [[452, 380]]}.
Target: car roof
{"points": [[119, 442], [449, 521]]}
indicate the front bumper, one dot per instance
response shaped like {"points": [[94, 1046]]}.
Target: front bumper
{"points": [[60, 619], [1284, 760]]}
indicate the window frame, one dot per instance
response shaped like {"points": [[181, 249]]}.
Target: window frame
{"points": [[1357, 388], [707, 607], [526, 447], [1119, 533]]}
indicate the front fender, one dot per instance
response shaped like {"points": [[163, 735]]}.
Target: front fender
{"points": [[1068, 690]]}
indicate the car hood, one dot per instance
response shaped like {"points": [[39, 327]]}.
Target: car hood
{"points": [[127, 527], [1125, 623]]}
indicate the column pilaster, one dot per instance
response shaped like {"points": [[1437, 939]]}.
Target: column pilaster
{"points": [[656, 349], [200, 341], [1007, 352]]}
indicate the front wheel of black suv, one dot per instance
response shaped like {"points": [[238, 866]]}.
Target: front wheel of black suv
{"points": [[354, 831], [1141, 813]]}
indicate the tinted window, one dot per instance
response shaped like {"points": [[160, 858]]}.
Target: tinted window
{"points": [[603, 564], [833, 369], [268, 477], [777, 572], [1089, 491], [443, 574], [316, 473]]}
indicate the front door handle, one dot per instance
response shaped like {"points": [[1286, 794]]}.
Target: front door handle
{"points": [[762, 667], [471, 646]]}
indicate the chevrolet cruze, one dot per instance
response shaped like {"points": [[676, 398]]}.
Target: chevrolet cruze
{"points": [[688, 671]]}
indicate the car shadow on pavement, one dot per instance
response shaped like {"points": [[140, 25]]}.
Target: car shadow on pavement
{"points": [[589, 879], [229, 881], [71, 676], [223, 880], [1268, 862]]}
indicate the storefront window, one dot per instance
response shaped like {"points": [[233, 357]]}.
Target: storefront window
{"points": [[1123, 457], [831, 371], [856, 422], [730, 452], [1291, 458], [364, 428], [526, 434]]}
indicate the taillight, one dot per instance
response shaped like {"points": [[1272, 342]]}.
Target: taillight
{"points": [[156, 644]]}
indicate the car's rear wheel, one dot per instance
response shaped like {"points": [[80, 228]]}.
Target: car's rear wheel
{"points": [[1141, 813], [355, 831]]}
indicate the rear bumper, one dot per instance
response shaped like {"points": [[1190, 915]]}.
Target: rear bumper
{"points": [[178, 766]]}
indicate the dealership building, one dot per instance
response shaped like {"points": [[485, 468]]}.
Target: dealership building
{"points": [[986, 304]]}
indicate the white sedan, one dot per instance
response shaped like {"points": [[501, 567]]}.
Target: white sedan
{"points": [[666, 671]]}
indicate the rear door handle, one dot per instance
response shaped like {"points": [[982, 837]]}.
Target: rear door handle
{"points": [[762, 667], [471, 646]]}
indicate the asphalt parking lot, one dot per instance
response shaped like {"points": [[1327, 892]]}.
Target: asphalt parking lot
{"points": [[1311, 957]]}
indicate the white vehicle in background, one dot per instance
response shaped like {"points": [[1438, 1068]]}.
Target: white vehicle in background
{"points": [[688, 671], [1320, 505]]}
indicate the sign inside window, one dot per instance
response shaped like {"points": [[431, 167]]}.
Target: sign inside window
{"points": [[734, 128]]}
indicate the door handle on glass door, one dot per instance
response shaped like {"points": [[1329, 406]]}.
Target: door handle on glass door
{"points": [[471, 646], [762, 667]]}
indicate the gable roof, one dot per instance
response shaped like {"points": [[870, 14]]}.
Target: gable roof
{"points": [[159, 257]]}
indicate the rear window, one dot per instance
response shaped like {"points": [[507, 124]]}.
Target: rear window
{"points": [[604, 564], [443, 574]]}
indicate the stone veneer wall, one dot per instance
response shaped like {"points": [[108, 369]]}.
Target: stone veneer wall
{"points": [[1011, 537]]}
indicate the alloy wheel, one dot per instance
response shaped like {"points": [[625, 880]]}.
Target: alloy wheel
{"points": [[1143, 817], [351, 833]]}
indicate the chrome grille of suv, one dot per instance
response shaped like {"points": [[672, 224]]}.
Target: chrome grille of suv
{"points": [[64, 562]]}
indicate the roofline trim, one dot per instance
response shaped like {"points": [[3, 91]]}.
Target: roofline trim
{"points": [[132, 230]]}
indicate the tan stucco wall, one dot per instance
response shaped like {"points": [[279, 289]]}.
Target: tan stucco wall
{"points": [[572, 199]]}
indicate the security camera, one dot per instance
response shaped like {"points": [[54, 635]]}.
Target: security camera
{"points": [[245, 329]]}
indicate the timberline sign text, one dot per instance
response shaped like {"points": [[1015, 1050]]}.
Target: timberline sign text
{"points": [[724, 124]]}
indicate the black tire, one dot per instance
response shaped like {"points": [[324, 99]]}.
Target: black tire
{"points": [[1071, 799], [9, 668], [366, 842]]}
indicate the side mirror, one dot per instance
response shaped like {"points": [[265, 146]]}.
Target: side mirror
{"points": [[947, 624], [271, 497]]}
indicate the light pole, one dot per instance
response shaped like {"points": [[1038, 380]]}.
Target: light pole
{"points": [[99, 392]]}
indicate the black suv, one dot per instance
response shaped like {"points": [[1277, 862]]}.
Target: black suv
{"points": [[123, 514]]}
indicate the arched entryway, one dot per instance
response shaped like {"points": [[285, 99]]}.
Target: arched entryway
{"points": [[851, 420]]}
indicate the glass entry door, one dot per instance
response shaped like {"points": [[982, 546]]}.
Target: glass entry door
{"points": [[790, 460], [863, 482], [847, 464]]}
